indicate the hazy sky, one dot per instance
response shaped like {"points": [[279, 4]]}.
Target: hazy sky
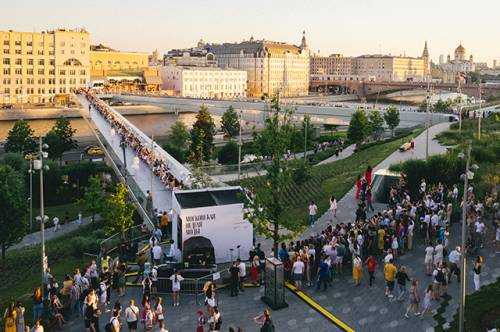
{"points": [[351, 27]]}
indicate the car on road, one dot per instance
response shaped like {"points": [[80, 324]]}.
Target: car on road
{"points": [[93, 150], [405, 147], [7, 106]]}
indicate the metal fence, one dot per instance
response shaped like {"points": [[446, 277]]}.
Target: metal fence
{"points": [[194, 286]]}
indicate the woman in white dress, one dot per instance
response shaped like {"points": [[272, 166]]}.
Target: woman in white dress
{"points": [[429, 252], [333, 207]]}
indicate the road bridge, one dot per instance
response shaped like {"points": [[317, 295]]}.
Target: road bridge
{"points": [[366, 89]]}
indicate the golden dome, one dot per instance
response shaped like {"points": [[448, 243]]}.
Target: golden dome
{"points": [[460, 49]]}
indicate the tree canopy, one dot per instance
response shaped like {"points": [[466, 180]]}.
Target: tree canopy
{"points": [[391, 117], [228, 154], [358, 127], [13, 222], [267, 205], [60, 138], [202, 137], [93, 197], [179, 135], [118, 211], [230, 122], [376, 123], [20, 138]]}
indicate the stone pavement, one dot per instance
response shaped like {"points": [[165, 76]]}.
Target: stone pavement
{"points": [[236, 311], [342, 155]]}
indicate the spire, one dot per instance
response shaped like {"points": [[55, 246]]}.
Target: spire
{"points": [[425, 53], [303, 44]]}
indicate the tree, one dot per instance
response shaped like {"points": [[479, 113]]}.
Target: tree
{"points": [[13, 222], [60, 138], [229, 153], [93, 197], [391, 117], [179, 135], [376, 123], [230, 122], [268, 204], [118, 211], [202, 136], [20, 138], [358, 127], [441, 106], [175, 151]]}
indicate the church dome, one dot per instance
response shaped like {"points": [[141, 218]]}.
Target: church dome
{"points": [[460, 49]]}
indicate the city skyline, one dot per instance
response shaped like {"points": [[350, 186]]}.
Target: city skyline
{"points": [[363, 27]]}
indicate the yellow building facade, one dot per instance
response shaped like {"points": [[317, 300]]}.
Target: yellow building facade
{"points": [[105, 59], [35, 67]]}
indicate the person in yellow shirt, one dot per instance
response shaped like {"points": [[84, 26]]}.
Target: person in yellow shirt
{"points": [[9, 319], [389, 274], [164, 221], [381, 234]]}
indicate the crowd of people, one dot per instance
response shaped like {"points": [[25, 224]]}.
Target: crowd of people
{"points": [[379, 239], [143, 150]]}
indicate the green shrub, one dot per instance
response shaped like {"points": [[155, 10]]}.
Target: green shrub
{"points": [[175, 151], [81, 245], [228, 154]]}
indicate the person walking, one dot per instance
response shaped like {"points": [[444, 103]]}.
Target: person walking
{"points": [[234, 271], [158, 312], [9, 318], [429, 252], [477, 272], [333, 207], [414, 299], [357, 270], [132, 316], [389, 275], [55, 221], [242, 273], [20, 323], [454, 259], [426, 305], [323, 274], [297, 272], [313, 210], [265, 322], [176, 279], [371, 265], [402, 278]]}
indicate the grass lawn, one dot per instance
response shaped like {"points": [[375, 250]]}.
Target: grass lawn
{"points": [[336, 179], [71, 210]]}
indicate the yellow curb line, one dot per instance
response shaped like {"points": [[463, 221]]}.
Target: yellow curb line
{"points": [[316, 306]]}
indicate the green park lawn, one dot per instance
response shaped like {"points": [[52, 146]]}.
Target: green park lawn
{"points": [[335, 179]]}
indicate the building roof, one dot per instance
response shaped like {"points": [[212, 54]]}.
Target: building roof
{"points": [[191, 199], [254, 47]]}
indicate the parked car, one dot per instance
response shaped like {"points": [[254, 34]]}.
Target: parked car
{"points": [[93, 150], [405, 147]]}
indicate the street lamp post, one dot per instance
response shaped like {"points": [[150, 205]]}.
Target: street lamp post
{"points": [[306, 124], [463, 259], [31, 194], [239, 146], [480, 114], [427, 120], [38, 164], [123, 145]]}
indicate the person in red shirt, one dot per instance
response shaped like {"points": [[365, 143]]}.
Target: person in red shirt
{"points": [[371, 264], [358, 187], [368, 175]]}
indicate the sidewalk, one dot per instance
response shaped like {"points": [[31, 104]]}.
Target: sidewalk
{"points": [[35, 238]]}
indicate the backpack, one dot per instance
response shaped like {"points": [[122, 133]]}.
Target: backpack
{"points": [[109, 325], [440, 277]]}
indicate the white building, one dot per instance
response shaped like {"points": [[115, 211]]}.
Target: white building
{"points": [[455, 69], [273, 68], [204, 82]]}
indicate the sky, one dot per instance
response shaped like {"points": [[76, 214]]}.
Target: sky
{"points": [[350, 27]]}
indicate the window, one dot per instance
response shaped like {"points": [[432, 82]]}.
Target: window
{"points": [[29, 71], [6, 61], [52, 72], [19, 81], [40, 52], [18, 52], [6, 42], [6, 90], [52, 62], [19, 62], [72, 72], [30, 62], [6, 81], [19, 71], [30, 52], [6, 71], [29, 43], [62, 81], [18, 43], [41, 72], [6, 51], [41, 62], [51, 53], [62, 72], [82, 72]]}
